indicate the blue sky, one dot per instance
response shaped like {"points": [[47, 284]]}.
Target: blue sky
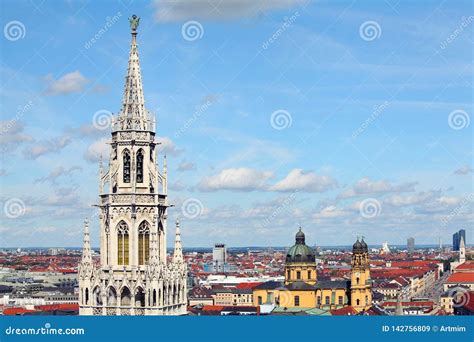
{"points": [[371, 105]]}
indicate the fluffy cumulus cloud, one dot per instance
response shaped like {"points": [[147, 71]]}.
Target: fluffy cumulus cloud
{"points": [[241, 179], [73, 82], [299, 180], [167, 146], [167, 11], [365, 187], [97, 149]]}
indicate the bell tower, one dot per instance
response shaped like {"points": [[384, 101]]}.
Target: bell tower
{"points": [[361, 287], [134, 277]]}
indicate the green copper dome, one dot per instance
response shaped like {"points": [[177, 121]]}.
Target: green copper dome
{"points": [[299, 252]]}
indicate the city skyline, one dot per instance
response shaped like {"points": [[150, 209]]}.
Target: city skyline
{"points": [[311, 122]]}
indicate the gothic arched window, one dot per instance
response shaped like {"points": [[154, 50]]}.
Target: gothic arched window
{"points": [[126, 166], [143, 242], [122, 243], [140, 166]]}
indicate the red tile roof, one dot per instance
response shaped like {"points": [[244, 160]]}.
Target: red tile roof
{"points": [[248, 285], [16, 311], [465, 266], [53, 307], [213, 308], [348, 310], [461, 277]]}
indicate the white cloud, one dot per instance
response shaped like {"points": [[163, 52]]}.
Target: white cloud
{"points": [[12, 135], [463, 170], [299, 180], [414, 199], [365, 186], [167, 11], [330, 212], [56, 173], [73, 82], [241, 179], [186, 166], [95, 150], [40, 148], [167, 146]]}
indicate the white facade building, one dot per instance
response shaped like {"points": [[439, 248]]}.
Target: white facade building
{"points": [[134, 277]]}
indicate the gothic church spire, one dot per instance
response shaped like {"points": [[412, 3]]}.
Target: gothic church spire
{"points": [[133, 114]]}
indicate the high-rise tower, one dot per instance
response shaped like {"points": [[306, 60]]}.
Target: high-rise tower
{"points": [[361, 286], [134, 277]]}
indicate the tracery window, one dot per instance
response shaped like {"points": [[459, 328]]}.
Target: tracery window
{"points": [[143, 242], [122, 243], [140, 166], [126, 166]]}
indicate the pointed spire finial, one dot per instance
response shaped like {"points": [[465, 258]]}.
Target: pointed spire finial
{"points": [[178, 250], [86, 246], [101, 174]]}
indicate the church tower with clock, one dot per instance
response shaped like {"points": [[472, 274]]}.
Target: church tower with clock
{"points": [[134, 276], [361, 286]]}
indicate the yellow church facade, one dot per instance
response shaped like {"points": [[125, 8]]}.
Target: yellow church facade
{"points": [[301, 288]]}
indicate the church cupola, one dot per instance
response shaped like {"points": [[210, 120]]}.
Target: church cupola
{"points": [[300, 261]]}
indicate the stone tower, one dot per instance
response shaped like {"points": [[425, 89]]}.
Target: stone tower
{"points": [[134, 276], [361, 287]]}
